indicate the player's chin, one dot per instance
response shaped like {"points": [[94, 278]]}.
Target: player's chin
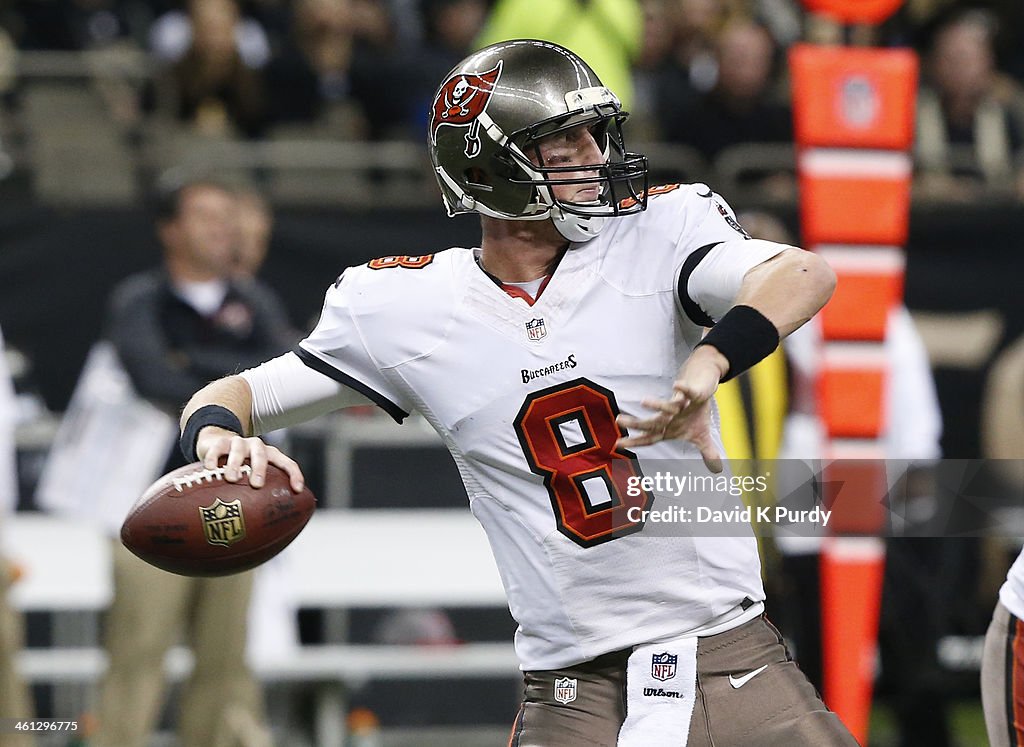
{"points": [[587, 198]]}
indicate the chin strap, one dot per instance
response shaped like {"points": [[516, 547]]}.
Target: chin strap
{"points": [[577, 228]]}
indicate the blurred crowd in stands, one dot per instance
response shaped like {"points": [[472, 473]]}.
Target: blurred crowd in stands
{"points": [[705, 74]]}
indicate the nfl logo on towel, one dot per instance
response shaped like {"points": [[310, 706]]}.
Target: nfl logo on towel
{"points": [[663, 666], [565, 690], [536, 330]]}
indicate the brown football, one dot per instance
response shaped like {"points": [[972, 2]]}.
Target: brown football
{"points": [[194, 523]]}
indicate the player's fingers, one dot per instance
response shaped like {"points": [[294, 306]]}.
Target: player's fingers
{"points": [[257, 462], [215, 451], [683, 387], [236, 457], [692, 393], [709, 453], [627, 421], [212, 444], [641, 439], [279, 459], [657, 423], [668, 407]]}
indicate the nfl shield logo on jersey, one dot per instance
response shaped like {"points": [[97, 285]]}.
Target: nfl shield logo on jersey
{"points": [[663, 666], [565, 690], [536, 330]]}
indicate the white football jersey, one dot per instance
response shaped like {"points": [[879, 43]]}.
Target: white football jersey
{"points": [[525, 397], [1012, 592]]}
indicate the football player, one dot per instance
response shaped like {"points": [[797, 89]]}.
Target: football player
{"points": [[1002, 664], [556, 361]]}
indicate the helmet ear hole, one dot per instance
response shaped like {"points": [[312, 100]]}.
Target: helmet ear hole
{"points": [[477, 177], [505, 166]]}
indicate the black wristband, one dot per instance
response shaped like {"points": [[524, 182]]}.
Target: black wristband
{"points": [[744, 336], [206, 415]]}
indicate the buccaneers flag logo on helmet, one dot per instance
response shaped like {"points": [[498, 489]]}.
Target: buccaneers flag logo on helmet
{"points": [[461, 99]]}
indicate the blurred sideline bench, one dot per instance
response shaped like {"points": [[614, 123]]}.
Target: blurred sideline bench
{"points": [[343, 559]]}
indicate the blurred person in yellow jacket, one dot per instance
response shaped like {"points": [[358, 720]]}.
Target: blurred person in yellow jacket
{"points": [[606, 33], [753, 408]]}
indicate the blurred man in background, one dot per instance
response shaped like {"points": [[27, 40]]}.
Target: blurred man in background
{"points": [[255, 223], [174, 328], [215, 59], [14, 695], [970, 115], [743, 106]]}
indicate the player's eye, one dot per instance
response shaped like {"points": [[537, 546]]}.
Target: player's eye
{"points": [[555, 154]]}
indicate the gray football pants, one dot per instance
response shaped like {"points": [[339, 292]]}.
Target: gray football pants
{"points": [[777, 708]]}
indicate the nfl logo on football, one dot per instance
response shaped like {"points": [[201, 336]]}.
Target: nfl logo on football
{"points": [[565, 690], [536, 330], [663, 666], [223, 523]]}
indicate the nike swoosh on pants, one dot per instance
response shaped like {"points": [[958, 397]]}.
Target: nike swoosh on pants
{"points": [[738, 682]]}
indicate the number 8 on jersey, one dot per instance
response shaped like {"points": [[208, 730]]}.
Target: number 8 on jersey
{"points": [[568, 434]]}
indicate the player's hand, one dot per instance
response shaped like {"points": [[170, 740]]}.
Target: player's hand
{"points": [[686, 415], [215, 443]]}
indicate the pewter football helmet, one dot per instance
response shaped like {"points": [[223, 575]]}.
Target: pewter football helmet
{"points": [[487, 117]]}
